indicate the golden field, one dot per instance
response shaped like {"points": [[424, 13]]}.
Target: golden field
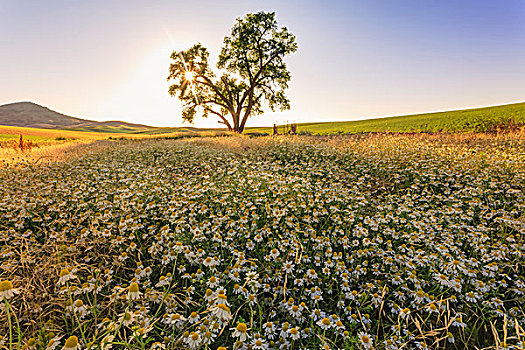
{"points": [[48, 145]]}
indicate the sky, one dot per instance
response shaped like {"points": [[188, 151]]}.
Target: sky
{"points": [[109, 59]]}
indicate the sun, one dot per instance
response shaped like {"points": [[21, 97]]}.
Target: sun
{"points": [[189, 75]]}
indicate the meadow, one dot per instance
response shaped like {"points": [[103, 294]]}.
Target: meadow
{"points": [[344, 242]]}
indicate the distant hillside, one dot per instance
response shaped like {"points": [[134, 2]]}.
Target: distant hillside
{"points": [[485, 119], [29, 114]]}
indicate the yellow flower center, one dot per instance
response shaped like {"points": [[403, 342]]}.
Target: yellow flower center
{"points": [[71, 342], [133, 288], [242, 327], [5, 286], [223, 307]]}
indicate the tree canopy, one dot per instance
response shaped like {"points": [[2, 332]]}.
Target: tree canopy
{"points": [[251, 73]]}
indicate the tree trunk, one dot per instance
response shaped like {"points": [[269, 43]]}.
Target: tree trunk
{"points": [[247, 113], [236, 119]]}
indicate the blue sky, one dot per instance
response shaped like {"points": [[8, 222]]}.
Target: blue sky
{"points": [[108, 60]]}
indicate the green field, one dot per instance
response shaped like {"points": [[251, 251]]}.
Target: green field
{"points": [[486, 119]]}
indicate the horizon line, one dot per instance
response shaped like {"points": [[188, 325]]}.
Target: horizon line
{"points": [[308, 122]]}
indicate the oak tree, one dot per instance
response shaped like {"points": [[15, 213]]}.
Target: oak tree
{"points": [[250, 73]]}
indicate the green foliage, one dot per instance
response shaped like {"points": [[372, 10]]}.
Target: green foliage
{"points": [[253, 73]]}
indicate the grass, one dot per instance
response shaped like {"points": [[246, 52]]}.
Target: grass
{"points": [[488, 119]]}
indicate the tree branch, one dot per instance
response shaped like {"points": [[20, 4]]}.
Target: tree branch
{"points": [[210, 84], [223, 119]]}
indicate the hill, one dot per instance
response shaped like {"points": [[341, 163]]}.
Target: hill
{"points": [[467, 120], [32, 115]]}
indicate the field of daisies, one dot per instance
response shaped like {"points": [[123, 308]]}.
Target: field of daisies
{"points": [[361, 242]]}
